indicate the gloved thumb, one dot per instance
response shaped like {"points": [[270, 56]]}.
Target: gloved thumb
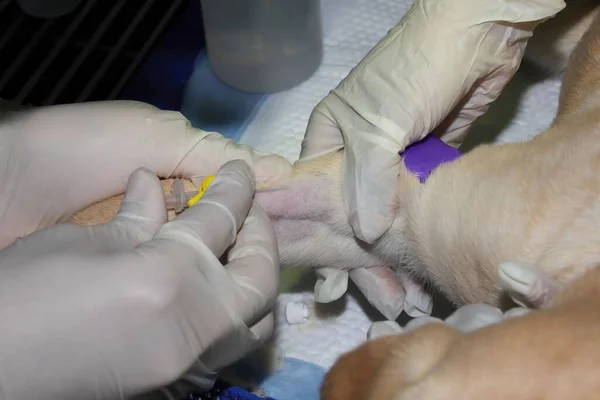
{"points": [[474, 316], [527, 286], [369, 189], [142, 211], [331, 284], [382, 288], [322, 133], [418, 301], [380, 329]]}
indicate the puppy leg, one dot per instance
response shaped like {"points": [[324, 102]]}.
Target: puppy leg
{"points": [[312, 231], [104, 211], [307, 214]]}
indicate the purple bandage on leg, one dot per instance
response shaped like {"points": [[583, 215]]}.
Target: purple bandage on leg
{"points": [[422, 157]]}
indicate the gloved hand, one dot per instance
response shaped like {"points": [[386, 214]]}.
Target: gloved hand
{"points": [[526, 285], [55, 161], [441, 66], [466, 319], [111, 310]]}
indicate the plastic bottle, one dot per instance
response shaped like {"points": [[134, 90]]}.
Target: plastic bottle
{"points": [[263, 46]]}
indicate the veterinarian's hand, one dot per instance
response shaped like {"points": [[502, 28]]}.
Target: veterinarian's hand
{"points": [[58, 160], [466, 319], [110, 310], [441, 66], [527, 286]]}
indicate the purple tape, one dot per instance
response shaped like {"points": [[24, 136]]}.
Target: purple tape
{"points": [[422, 157]]}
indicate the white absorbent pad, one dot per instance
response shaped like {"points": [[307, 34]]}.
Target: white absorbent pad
{"points": [[276, 123]]}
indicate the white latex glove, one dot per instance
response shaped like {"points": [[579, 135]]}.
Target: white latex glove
{"points": [[55, 161], [441, 66], [111, 310], [526, 285], [466, 319]]}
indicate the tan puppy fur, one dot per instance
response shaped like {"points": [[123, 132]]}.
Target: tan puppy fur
{"points": [[106, 210]]}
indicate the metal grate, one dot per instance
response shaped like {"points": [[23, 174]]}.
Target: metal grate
{"points": [[87, 55]]}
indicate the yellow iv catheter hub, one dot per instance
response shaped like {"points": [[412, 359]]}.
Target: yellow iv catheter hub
{"points": [[179, 199]]}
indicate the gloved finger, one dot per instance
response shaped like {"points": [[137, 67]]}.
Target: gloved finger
{"points": [[141, 213], [474, 316], [331, 284], [322, 135], [417, 302], [196, 162], [516, 312], [367, 202], [263, 330], [419, 322], [254, 266], [131, 134], [249, 340], [213, 222], [369, 190], [179, 150], [526, 285], [383, 328], [188, 151], [455, 127], [382, 288], [103, 141]]}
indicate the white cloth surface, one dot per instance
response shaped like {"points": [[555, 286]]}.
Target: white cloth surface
{"points": [[351, 28]]}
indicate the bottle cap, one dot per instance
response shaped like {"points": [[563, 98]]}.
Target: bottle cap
{"points": [[296, 313]]}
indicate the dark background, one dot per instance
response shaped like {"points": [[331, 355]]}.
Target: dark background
{"points": [[104, 50]]}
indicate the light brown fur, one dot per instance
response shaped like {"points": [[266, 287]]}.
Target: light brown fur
{"points": [[105, 210]]}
